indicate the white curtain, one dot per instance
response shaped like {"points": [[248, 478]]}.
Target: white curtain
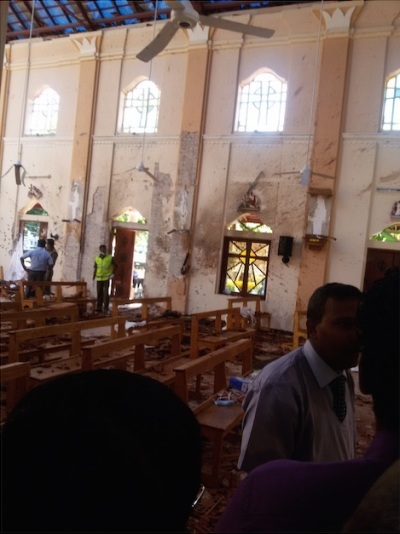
{"points": [[15, 270]]}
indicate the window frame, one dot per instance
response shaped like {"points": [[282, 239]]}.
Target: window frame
{"points": [[129, 125], [37, 126], [226, 255], [273, 98], [388, 125]]}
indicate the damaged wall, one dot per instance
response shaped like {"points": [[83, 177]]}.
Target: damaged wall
{"points": [[202, 167]]}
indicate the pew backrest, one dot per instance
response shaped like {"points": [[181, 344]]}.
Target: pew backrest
{"points": [[14, 385], [215, 362], [130, 347], [224, 325], [20, 318], [63, 290], [215, 420], [142, 306], [252, 302], [75, 329]]}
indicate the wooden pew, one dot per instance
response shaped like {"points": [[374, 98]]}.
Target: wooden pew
{"points": [[142, 306], [119, 351], [299, 330], [215, 421], [10, 291], [7, 305], [218, 336], [247, 302], [74, 329], [14, 385], [20, 319], [65, 291], [12, 320]]}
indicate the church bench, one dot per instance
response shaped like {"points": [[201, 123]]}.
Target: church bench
{"points": [[218, 335], [12, 320], [215, 421], [254, 303], [299, 331], [65, 291], [47, 334], [119, 352], [14, 384], [9, 305], [38, 316], [151, 311]]}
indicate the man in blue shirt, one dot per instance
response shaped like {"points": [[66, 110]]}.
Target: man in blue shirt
{"points": [[41, 261]]}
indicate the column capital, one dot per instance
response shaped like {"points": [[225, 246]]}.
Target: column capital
{"points": [[339, 20], [87, 45]]}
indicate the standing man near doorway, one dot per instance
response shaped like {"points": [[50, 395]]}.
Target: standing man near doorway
{"points": [[104, 269], [41, 261], [49, 273]]}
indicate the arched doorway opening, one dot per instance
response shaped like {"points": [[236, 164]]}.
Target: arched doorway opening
{"points": [[129, 248]]}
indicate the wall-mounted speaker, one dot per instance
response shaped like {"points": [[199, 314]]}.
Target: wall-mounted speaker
{"points": [[285, 247]]}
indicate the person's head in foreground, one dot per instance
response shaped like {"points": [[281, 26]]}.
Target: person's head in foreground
{"points": [[100, 451]]}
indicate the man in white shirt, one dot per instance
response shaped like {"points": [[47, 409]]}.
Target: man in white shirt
{"points": [[289, 407]]}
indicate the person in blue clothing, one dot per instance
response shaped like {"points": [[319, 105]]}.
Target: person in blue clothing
{"points": [[41, 262], [300, 496]]}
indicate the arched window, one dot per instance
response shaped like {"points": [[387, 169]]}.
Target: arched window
{"points": [[391, 234], [33, 226], [391, 104], [261, 104], [245, 257], [43, 113], [140, 108]]}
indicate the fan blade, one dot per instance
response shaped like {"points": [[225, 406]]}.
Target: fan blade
{"points": [[17, 169], [159, 42], [142, 168], [323, 175], [305, 175], [146, 171], [224, 24]]}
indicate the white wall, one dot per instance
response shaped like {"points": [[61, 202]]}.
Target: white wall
{"points": [[228, 162]]}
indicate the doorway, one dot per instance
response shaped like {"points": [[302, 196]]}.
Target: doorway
{"points": [[378, 261], [129, 250]]}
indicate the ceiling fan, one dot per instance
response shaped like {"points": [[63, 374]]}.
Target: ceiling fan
{"points": [[305, 174], [141, 168], [19, 177], [183, 15]]}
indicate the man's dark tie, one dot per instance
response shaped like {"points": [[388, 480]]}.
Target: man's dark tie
{"points": [[338, 387]]}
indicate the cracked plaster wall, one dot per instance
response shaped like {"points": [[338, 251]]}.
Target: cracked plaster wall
{"points": [[229, 162]]}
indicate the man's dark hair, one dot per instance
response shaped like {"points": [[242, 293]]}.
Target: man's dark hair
{"points": [[100, 451], [41, 243], [50, 242], [379, 364], [333, 290]]}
